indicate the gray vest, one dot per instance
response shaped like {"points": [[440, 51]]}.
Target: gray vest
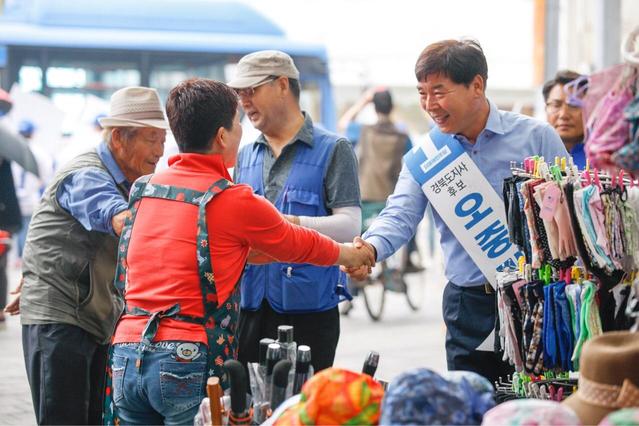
{"points": [[68, 271]]}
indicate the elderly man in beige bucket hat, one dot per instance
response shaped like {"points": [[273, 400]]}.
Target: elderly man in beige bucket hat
{"points": [[68, 303]]}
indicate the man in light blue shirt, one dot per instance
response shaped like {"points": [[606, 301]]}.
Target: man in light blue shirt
{"points": [[451, 79]]}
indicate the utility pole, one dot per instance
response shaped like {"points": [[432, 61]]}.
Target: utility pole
{"points": [[546, 40], [607, 33]]}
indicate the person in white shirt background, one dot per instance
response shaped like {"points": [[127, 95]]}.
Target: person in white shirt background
{"points": [[29, 187]]}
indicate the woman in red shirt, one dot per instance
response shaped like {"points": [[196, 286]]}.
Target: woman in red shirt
{"points": [[181, 258]]}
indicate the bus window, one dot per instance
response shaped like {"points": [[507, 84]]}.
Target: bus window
{"points": [[70, 84], [30, 79], [100, 78], [164, 76], [99, 50], [121, 78], [66, 78]]}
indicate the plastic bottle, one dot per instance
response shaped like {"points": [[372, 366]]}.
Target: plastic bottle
{"points": [[302, 368], [288, 345], [370, 364], [263, 347]]}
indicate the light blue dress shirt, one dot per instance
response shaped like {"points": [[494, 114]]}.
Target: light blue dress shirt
{"points": [[91, 195], [507, 137]]}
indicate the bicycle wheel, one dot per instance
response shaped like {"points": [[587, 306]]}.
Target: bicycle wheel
{"points": [[412, 285], [415, 285], [374, 292]]}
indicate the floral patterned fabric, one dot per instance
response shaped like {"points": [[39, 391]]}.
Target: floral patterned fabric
{"points": [[422, 396], [625, 417], [531, 412], [476, 382], [336, 397]]}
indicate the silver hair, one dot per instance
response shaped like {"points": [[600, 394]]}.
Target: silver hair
{"points": [[127, 133]]}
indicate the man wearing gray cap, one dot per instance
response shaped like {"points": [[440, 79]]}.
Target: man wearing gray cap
{"points": [[68, 303], [310, 175]]}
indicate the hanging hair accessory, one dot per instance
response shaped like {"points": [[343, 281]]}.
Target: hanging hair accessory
{"points": [[576, 90], [527, 167], [556, 173], [543, 171], [576, 274], [521, 262], [546, 274], [596, 177]]}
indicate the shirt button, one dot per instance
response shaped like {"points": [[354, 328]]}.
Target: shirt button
{"points": [[475, 152]]}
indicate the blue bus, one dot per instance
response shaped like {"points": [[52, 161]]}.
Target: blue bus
{"points": [[67, 49]]}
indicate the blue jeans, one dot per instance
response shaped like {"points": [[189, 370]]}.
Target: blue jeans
{"points": [[166, 389]]}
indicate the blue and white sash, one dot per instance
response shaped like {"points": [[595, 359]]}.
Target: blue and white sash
{"points": [[465, 200], [467, 203]]}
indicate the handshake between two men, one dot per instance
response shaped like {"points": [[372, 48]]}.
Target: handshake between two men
{"points": [[356, 259], [365, 256]]}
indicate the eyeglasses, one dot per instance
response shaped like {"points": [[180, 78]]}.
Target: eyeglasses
{"points": [[249, 92], [553, 107]]}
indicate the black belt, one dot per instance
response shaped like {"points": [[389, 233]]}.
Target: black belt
{"points": [[485, 288]]}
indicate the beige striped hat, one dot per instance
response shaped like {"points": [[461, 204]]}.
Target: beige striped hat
{"points": [[135, 107]]}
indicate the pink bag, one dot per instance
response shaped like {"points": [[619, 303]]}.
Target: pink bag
{"points": [[609, 130], [628, 156], [599, 85]]}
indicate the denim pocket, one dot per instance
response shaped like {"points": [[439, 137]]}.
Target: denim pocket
{"points": [[182, 384], [118, 370]]}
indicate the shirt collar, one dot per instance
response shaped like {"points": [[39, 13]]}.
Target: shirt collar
{"points": [[205, 163], [305, 133], [494, 123], [106, 156]]}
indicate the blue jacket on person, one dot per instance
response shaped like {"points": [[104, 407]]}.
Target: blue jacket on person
{"points": [[292, 287]]}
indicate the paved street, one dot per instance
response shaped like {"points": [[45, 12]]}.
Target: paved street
{"points": [[403, 338], [15, 399]]}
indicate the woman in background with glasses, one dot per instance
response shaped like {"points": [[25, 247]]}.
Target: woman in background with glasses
{"points": [[563, 111]]}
